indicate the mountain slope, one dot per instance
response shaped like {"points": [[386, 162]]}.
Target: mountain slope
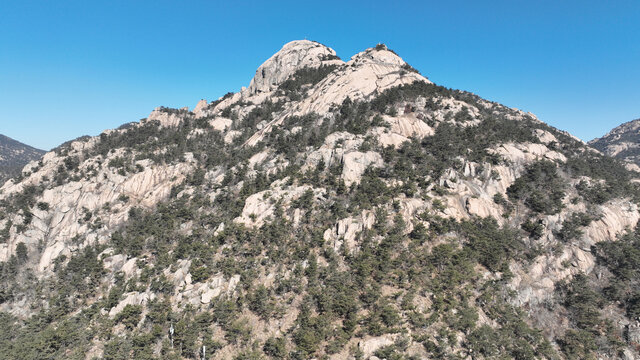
{"points": [[623, 142], [330, 210], [14, 155]]}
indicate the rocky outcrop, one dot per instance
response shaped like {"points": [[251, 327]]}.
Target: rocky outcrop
{"points": [[370, 345], [188, 293], [85, 211], [168, 117], [483, 207], [537, 283], [614, 218], [545, 137], [346, 230], [524, 153], [200, 107], [220, 123], [132, 298], [409, 125], [341, 148], [367, 74], [293, 56], [261, 206], [355, 163]]}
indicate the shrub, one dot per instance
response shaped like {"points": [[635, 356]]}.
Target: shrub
{"points": [[260, 302], [540, 188], [578, 344], [21, 252], [305, 76], [129, 316], [275, 347], [493, 246], [43, 206], [534, 228], [199, 271], [571, 227]]}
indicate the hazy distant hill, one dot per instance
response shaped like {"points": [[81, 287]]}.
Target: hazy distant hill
{"points": [[623, 142], [14, 155]]}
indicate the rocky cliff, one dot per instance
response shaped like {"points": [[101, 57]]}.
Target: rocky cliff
{"points": [[331, 209]]}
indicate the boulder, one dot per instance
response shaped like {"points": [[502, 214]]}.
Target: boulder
{"points": [[356, 162], [292, 57]]}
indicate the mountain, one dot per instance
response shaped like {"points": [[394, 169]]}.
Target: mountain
{"points": [[14, 155], [330, 210], [623, 143]]}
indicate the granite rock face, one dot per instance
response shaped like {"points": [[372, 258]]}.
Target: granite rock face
{"points": [[293, 56]]}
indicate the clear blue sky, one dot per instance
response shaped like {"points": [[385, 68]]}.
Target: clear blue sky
{"points": [[70, 68]]}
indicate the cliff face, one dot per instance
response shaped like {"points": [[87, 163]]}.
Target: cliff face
{"points": [[14, 155], [331, 209]]}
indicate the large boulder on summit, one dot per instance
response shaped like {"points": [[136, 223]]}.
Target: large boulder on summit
{"points": [[292, 57]]}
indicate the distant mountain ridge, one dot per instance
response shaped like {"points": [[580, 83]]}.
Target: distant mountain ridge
{"points": [[14, 155], [623, 142]]}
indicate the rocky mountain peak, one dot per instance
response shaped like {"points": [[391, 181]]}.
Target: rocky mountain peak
{"points": [[632, 126], [167, 117], [377, 55], [293, 56], [317, 79], [200, 106]]}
